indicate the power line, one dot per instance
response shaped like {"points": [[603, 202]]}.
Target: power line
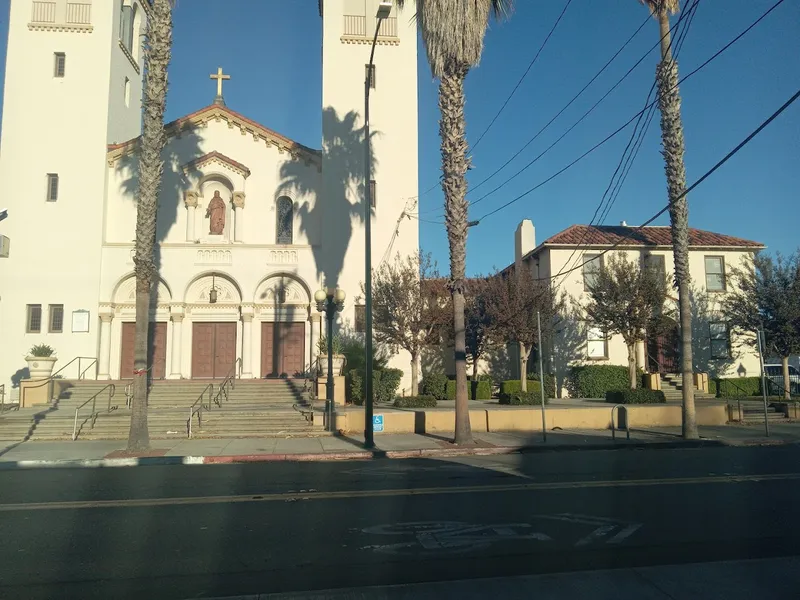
{"points": [[618, 130], [567, 105], [705, 176], [524, 75]]}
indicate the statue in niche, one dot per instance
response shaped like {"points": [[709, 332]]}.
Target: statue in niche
{"points": [[216, 214]]}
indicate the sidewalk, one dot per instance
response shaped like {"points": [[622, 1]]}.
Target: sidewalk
{"points": [[210, 451]]}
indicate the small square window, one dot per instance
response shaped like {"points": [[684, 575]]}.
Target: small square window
{"points": [[715, 273], [60, 64], [56, 318], [33, 319], [373, 193], [361, 318], [655, 264], [52, 187], [370, 75], [720, 340], [596, 343]]}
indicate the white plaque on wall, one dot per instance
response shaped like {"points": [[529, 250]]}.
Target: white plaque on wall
{"points": [[80, 321]]}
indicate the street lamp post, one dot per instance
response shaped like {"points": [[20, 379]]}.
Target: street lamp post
{"points": [[330, 302], [384, 9]]}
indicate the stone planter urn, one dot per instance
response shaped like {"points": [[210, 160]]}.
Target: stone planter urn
{"points": [[40, 367], [338, 364]]}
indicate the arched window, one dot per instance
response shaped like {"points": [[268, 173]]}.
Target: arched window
{"points": [[285, 223]]}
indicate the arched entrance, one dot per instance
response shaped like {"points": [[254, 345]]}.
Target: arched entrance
{"points": [[663, 349]]}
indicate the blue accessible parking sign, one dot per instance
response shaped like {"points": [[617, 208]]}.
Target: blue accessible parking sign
{"points": [[377, 423]]}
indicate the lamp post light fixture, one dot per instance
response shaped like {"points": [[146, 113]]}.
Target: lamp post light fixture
{"points": [[330, 302], [384, 9], [212, 293]]}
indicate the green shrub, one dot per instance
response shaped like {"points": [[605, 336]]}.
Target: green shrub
{"points": [[434, 384], [481, 390], [735, 386], [415, 402], [42, 351], [355, 353], [512, 386], [386, 386], [637, 396], [355, 386], [523, 399], [593, 381], [549, 383]]}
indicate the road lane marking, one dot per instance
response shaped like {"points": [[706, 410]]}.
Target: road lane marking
{"points": [[351, 494]]}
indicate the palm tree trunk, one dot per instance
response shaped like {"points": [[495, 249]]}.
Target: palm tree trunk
{"points": [[669, 104], [452, 130], [157, 51]]}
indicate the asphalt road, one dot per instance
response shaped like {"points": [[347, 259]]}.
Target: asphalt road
{"points": [[205, 531]]}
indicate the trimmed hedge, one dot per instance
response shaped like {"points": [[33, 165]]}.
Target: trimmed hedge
{"points": [[480, 391], [593, 381], [735, 386], [637, 396], [434, 384], [513, 386], [415, 402], [355, 385], [386, 386], [523, 399]]}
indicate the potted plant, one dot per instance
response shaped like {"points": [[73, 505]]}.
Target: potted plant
{"points": [[41, 359], [322, 355]]}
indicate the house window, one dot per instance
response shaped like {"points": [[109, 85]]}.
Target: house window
{"points": [[655, 263], [60, 64], [596, 343], [592, 264], [715, 273], [720, 340], [373, 193], [361, 318], [52, 187], [33, 320], [126, 27], [285, 223], [370, 75], [127, 92], [56, 318]]}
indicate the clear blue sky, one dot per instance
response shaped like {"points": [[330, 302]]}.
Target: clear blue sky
{"points": [[272, 50]]}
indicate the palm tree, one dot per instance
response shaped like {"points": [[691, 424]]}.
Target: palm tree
{"points": [[453, 32], [157, 53], [669, 104]]}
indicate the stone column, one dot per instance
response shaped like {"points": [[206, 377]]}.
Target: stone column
{"points": [[177, 342], [238, 223], [104, 359], [247, 342], [190, 200]]}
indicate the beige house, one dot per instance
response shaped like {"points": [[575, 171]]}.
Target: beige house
{"points": [[571, 259]]}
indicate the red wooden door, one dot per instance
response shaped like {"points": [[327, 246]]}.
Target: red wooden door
{"points": [[213, 349], [157, 355], [282, 349]]}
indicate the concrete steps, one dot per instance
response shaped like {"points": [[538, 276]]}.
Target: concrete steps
{"points": [[253, 408]]}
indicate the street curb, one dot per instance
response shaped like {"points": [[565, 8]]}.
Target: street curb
{"points": [[373, 455]]}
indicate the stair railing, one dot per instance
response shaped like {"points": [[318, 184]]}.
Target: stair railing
{"points": [[234, 373], [111, 388], [202, 403], [49, 381]]}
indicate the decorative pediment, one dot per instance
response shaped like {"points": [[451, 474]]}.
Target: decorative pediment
{"points": [[217, 158], [218, 113], [126, 293], [199, 292], [281, 290]]}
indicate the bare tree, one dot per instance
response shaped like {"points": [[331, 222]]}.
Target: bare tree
{"points": [[408, 308], [157, 55], [628, 300], [669, 105], [477, 321], [513, 299], [453, 32], [765, 295]]}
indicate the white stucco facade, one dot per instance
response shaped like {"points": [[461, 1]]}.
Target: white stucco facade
{"points": [[75, 251]]}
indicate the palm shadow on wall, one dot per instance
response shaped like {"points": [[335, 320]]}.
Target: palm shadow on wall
{"points": [[706, 310], [274, 364], [327, 221], [184, 144]]}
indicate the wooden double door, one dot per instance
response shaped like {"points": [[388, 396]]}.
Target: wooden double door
{"points": [[283, 349], [213, 350], [157, 354]]}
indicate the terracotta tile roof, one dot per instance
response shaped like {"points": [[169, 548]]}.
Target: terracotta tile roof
{"points": [[216, 112], [606, 235]]}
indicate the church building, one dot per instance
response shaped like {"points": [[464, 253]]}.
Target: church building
{"points": [[250, 222]]}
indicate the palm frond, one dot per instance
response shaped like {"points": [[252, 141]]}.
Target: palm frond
{"points": [[658, 7]]}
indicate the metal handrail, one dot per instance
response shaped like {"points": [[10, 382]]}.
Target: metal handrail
{"points": [[48, 381], [93, 416], [129, 395], [2, 398], [195, 409], [229, 381], [627, 422]]}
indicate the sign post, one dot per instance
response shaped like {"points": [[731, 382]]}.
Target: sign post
{"points": [[541, 376], [763, 380]]}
